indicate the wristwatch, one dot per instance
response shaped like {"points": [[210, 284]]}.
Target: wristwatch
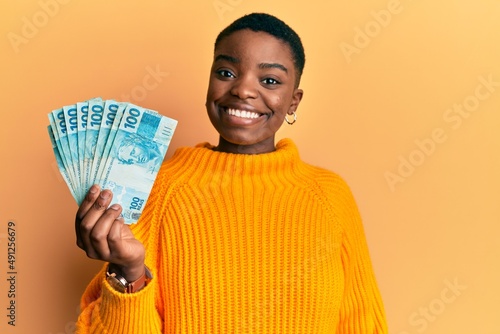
{"points": [[120, 284]]}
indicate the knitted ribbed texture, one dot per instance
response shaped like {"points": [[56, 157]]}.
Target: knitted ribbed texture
{"points": [[245, 244]]}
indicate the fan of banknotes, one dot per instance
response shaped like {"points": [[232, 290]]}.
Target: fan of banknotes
{"points": [[118, 145]]}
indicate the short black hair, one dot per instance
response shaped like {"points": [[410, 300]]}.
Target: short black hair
{"points": [[273, 26]]}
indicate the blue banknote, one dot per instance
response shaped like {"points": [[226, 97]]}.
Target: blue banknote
{"points": [[118, 145], [82, 111], [138, 149], [60, 163], [71, 119], [113, 111], [58, 126], [96, 110]]}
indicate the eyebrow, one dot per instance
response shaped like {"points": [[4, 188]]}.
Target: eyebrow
{"points": [[227, 58], [273, 65], [261, 65]]}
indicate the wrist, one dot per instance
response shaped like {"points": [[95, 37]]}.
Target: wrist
{"points": [[119, 283], [130, 273]]}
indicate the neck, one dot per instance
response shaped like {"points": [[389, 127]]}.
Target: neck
{"points": [[265, 146]]}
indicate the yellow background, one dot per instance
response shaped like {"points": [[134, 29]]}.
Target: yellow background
{"points": [[363, 111]]}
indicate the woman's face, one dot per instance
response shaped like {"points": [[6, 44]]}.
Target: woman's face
{"points": [[251, 90]]}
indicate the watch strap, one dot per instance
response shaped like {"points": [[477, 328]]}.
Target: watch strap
{"points": [[122, 285]]}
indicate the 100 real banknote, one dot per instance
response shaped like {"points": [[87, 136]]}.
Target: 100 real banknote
{"points": [[118, 145]]}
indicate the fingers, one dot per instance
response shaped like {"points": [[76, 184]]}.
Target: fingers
{"points": [[114, 237], [87, 203], [97, 209], [99, 246], [93, 223]]}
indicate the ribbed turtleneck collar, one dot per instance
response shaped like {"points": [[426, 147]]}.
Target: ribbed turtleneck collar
{"points": [[203, 158]]}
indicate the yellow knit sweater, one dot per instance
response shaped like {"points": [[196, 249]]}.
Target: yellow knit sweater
{"points": [[245, 244]]}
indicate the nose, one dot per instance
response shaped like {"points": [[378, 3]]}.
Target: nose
{"points": [[245, 87]]}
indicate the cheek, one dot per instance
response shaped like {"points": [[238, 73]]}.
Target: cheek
{"points": [[216, 89], [211, 91], [277, 104]]}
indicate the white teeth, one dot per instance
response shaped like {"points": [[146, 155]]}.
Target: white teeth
{"points": [[242, 113]]}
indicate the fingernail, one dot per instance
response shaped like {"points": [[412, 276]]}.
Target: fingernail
{"points": [[104, 195], [115, 207], [93, 189]]}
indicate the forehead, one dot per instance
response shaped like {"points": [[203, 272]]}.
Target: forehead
{"points": [[248, 45]]}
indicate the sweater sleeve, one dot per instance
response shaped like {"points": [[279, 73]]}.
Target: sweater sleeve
{"points": [[105, 310], [361, 310]]}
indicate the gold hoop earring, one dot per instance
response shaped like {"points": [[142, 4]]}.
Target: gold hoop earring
{"points": [[294, 118]]}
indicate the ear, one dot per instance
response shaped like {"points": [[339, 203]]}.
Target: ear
{"points": [[296, 98]]}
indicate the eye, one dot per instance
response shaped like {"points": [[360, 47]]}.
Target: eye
{"points": [[271, 81], [225, 73]]}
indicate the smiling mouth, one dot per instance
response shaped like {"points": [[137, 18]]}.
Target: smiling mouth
{"points": [[242, 113]]}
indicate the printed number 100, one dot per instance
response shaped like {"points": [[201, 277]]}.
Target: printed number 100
{"points": [[136, 203], [131, 119]]}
